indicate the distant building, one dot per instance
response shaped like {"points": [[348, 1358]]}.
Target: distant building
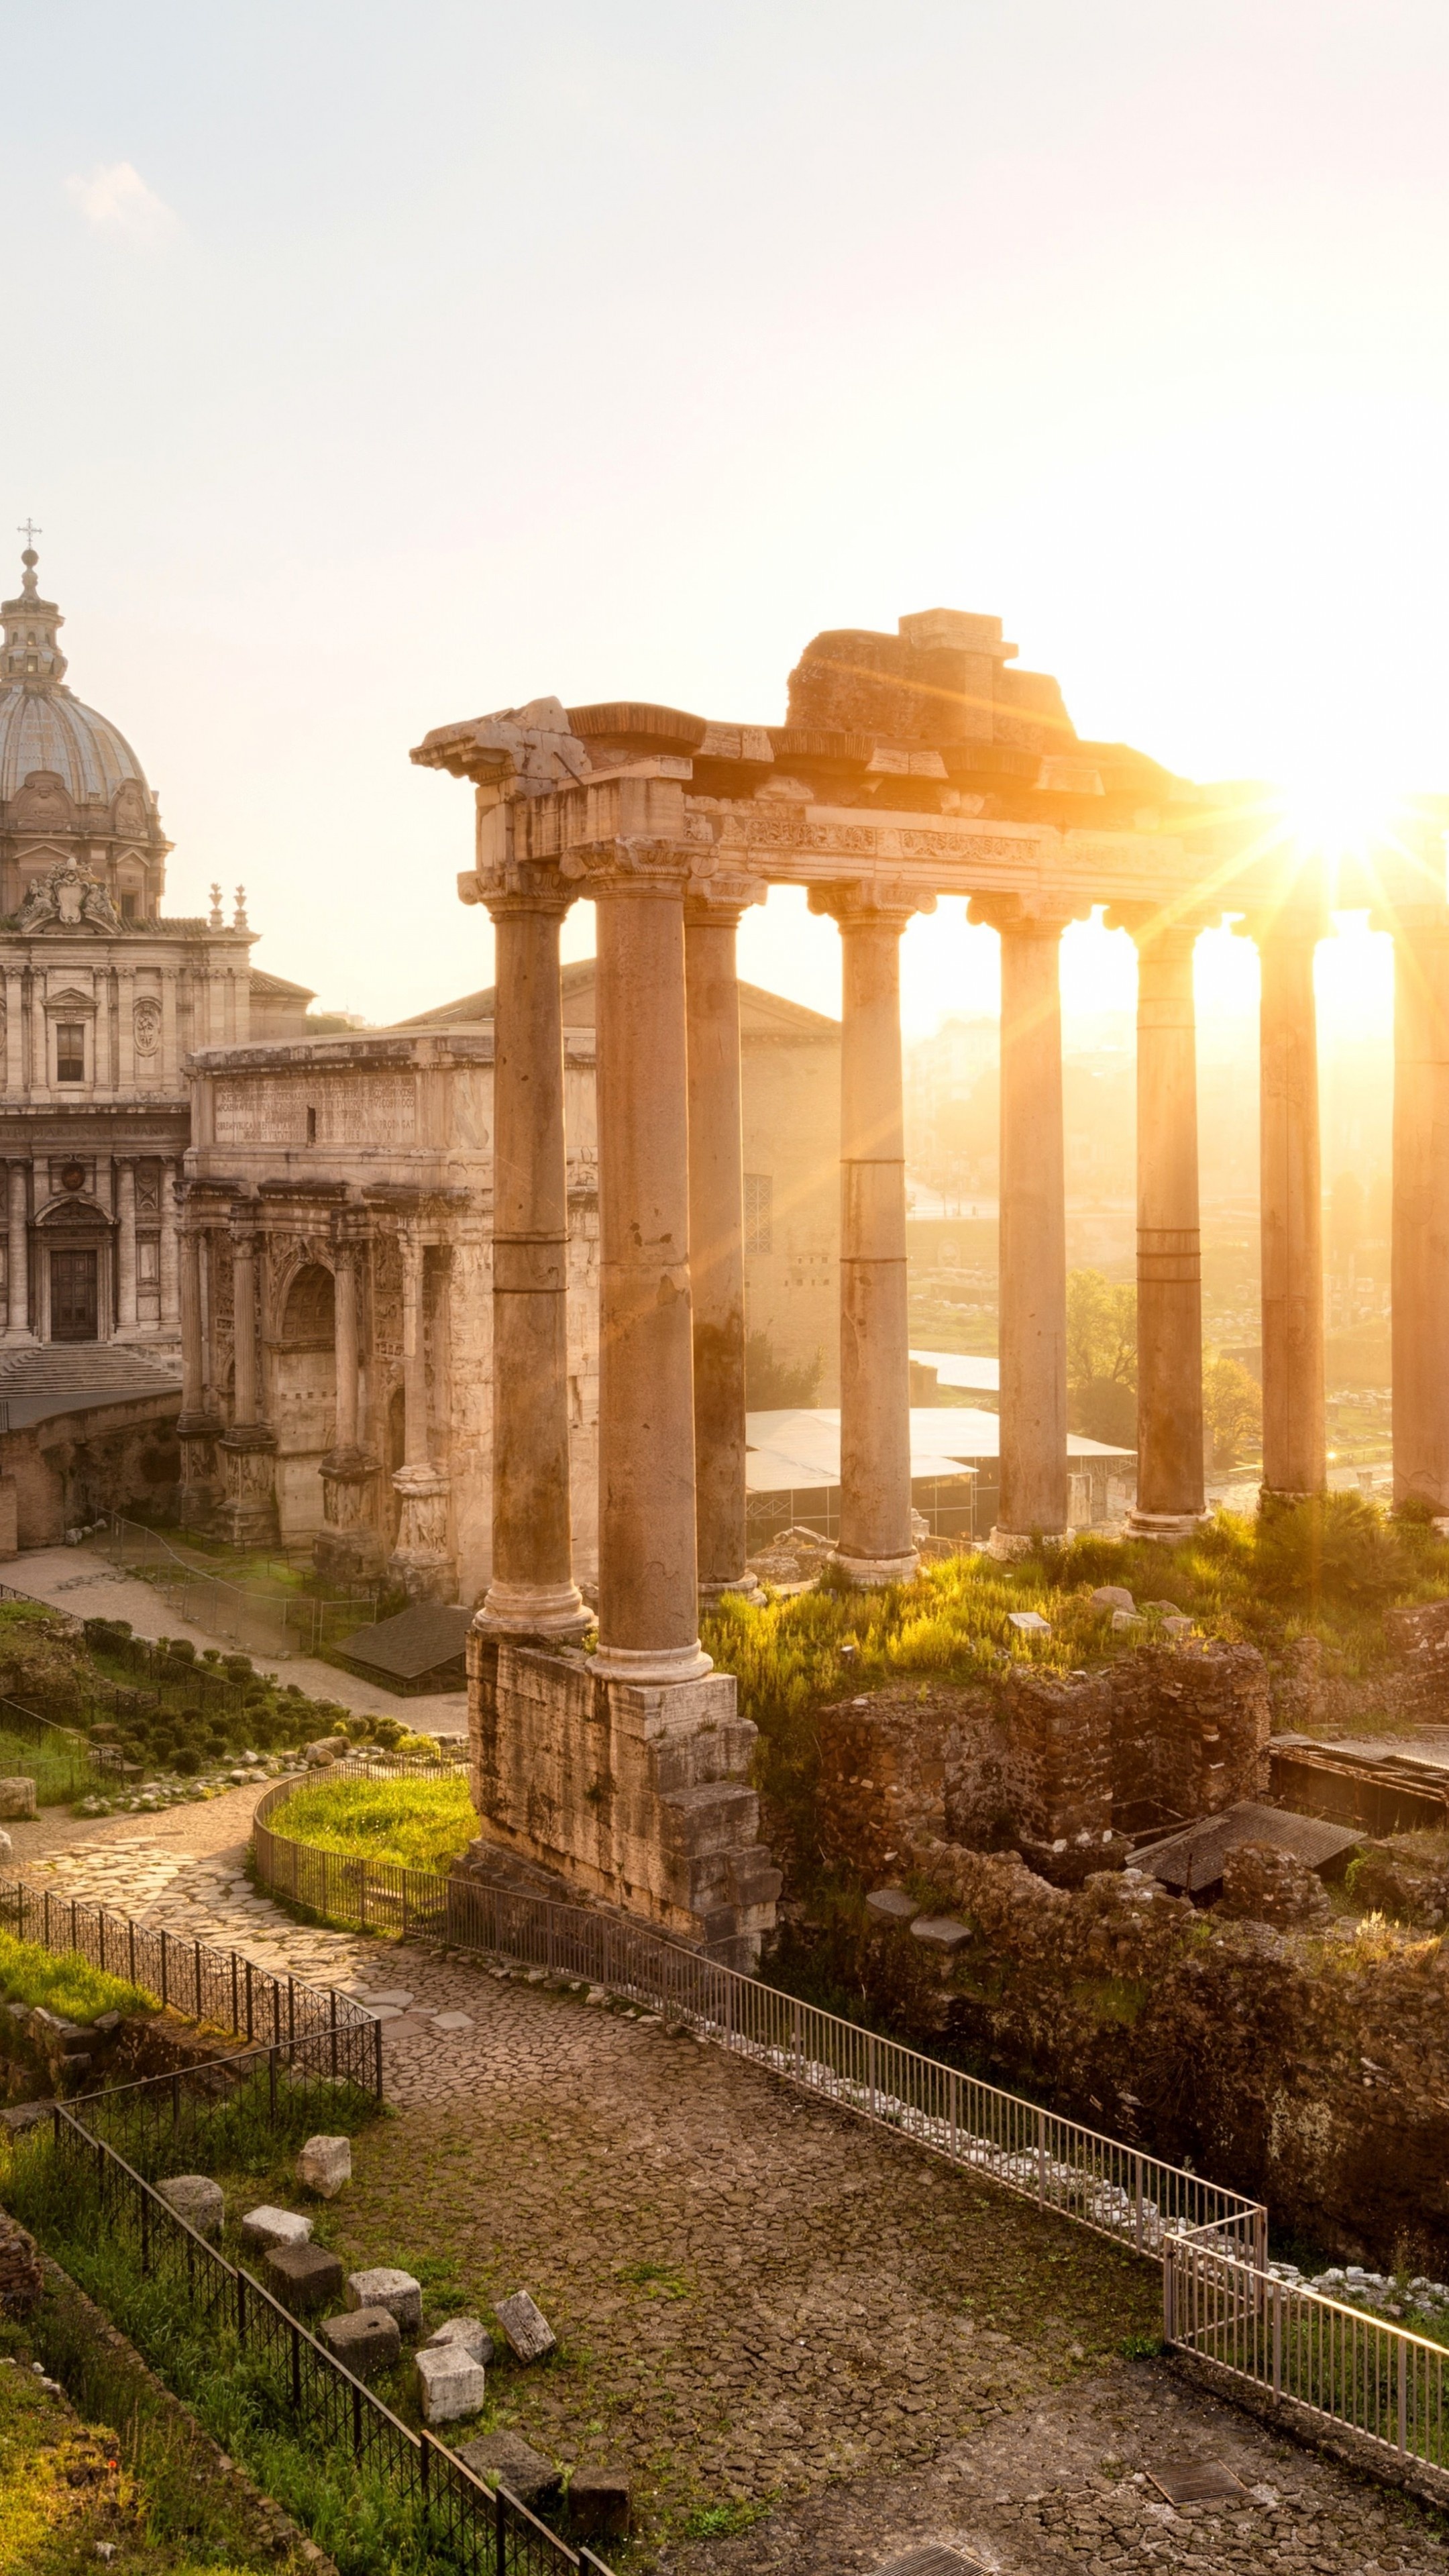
{"points": [[104, 996]]}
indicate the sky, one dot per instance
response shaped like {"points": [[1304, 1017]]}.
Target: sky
{"points": [[372, 366]]}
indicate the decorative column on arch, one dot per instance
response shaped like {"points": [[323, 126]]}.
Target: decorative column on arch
{"points": [[875, 1543], [197, 1428], [248, 1446], [1032, 1230], [17, 1256], [125, 1249], [349, 1547], [1290, 1186], [169, 1258], [1420, 1221], [422, 1561], [531, 1591], [716, 1229], [1170, 1497]]}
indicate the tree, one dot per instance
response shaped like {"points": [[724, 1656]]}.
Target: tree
{"points": [[1232, 1405], [1102, 1359]]}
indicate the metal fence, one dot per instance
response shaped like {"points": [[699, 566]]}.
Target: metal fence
{"points": [[262, 1619], [1117, 2191], [217, 1986], [1363, 2374], [483, 2531]]}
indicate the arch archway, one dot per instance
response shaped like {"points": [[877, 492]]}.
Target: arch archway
{"points": [[304, 1399]]}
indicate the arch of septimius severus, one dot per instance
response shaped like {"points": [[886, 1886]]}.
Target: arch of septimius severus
{"points": [[911, 767]]}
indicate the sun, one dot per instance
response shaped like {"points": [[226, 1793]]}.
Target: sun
{"points": [[1335, 813]]}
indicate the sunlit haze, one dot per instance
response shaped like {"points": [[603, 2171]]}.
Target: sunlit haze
{"points": [[371, 368]]}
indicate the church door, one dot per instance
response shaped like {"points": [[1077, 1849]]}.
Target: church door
{"points": [[73, 1308]]}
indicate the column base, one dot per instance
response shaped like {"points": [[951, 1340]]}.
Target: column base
{"points": [[655, 1665], [248, 1513], [534, 1610], [868, 1571], [19, 1337], [1283, 1498], [741, 1587], [1170, 1528], [421, 1564], [1007, 1546]]}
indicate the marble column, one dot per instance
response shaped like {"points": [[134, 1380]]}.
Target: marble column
{"points": [[875, 1544], [170, 1284], [196, 1428], [349, 1546], [422, 1561], [1291, 1203], [648, 1565], [17, 1328], [344, 1284], [1032, 1234], [193, 1384], [531, 1590], [126, 1248], [716, 1235], [1420, 1256], [248, 1449], [244, 1327], [1170, 1498]]}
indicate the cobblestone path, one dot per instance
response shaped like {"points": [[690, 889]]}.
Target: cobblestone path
{"points": [[778, 2319]]}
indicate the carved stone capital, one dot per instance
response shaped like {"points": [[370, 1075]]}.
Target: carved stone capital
{"points": [[1157, 926], [1303, 926], [519, 886], [1023, 916], [720, 902], [882, 902]]}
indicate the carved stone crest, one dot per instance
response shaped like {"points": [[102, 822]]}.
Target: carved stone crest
{"points": [[69, 898], [148, 1024]]}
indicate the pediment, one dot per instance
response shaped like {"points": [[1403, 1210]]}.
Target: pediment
{"points": [[76, 1208], [71, 997]]}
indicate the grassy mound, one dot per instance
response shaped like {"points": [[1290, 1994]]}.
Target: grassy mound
{"points": [[415, 1824], [68, 1985]]}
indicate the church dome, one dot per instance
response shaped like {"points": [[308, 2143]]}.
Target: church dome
{"points": [[44, 727]]}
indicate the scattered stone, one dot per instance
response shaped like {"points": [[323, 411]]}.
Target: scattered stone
{"points": [[324, 2165], [452, 2021], [1179, 1625], [303, 2277], [1028, 1623], [21, 2281], [1124, 1621], [324, 1751], [25, 2115], [1111, 1596], [468, 2332], [599, 2503], [17, 1799], [506, 2460], [397, 1998], [450, 2382], [383, 2287], [529, 2333], [941, 1932], [265, 2227], [891, 1905], [7, 1846], [365, 2342], [198, 2200], [1266, 1884]]}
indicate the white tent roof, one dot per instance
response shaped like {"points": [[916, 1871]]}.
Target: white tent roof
{"points": [[792, 1451], [963, 1368]]}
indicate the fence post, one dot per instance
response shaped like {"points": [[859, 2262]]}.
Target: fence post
{"points": [[1169, 2292], [1278, 2297], [1403, 2397], [1041, 2159], [1137, 2195]]}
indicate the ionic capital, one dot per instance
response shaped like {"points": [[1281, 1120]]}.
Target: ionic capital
{"points": [[884, 903]]}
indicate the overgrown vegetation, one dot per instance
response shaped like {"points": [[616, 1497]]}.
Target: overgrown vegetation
{"points": [[415, 1824], [66, 1985]]}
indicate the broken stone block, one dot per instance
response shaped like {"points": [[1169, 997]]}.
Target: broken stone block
{"points": [[599, 2503], [891, 1905], [196, 2199], [7, 1847], [1179, 1625], [1028, 1623], [470, 2332], [529, 2333], [506, 2460], [265, 2227], [324, 1750], [1125, 1621], [324, 2165], [303, 2277], [17, 1799], [398, 2292], [450, 2382], [941, 1932], [1111, 1596], [366, 2342]]}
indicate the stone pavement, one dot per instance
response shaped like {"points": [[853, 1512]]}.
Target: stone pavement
{"points": [[79, 1579], [777, 2318]]}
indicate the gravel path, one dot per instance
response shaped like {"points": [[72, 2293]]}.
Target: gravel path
{"points": [[815, 2348]]}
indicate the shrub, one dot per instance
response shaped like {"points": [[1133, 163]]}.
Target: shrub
{"points": [[187, 1762], [182, 1650], [1336, 1544], [30, 1974]]}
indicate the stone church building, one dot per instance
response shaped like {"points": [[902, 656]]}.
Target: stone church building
{"points": [[337, 1273], [104, 996]]}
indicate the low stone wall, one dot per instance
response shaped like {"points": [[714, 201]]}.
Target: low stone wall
{"points": [[1063, 1766], [1308, 2068]]}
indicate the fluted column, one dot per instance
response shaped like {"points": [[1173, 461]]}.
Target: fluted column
{"points": [[422, 1560], [248, 1448], [1291, 1204], [716, 1233], [1032, 1233], [875, 1544], [170, 1281], [196, 1426], [1170, 1497], [126, 1248], [193, 1378], [648, 1566], [1421, 1211], [344, 1284], [415, 1383], [531, 1590], [349, 1546], [17, 1327], [244, 1327]]}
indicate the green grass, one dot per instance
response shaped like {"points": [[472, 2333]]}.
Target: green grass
{"points": [[415, 1824], [59, 1768], [67, 1985]]}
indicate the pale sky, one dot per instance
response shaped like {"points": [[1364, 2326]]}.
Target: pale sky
{"points": [[373, 366]]}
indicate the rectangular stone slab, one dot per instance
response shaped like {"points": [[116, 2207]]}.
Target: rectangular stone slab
{"points": [[599, 2502], [366, 2341], [304, 2277], [529, 2333], [506, 2460], [396, 2291], [451, 2383]]}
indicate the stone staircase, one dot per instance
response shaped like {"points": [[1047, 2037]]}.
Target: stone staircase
{"points": [[85, 1368]]}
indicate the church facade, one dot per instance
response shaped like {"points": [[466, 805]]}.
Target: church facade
{"points": [[103, 997]]}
